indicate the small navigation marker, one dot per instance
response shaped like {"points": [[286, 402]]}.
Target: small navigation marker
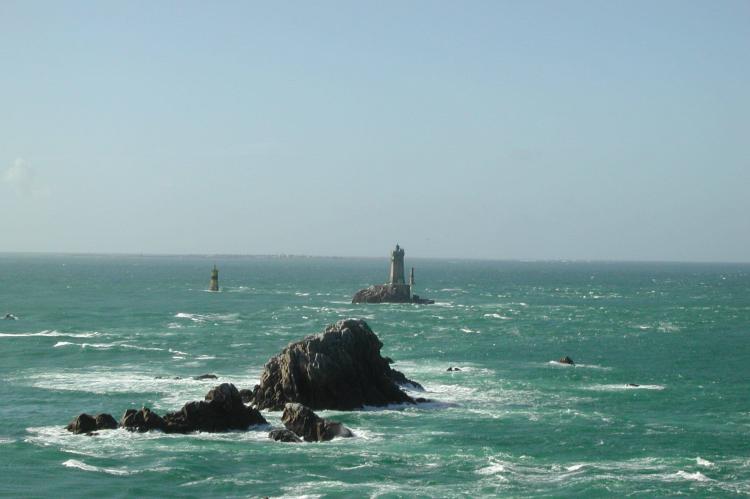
{"points": [[214, 286]]}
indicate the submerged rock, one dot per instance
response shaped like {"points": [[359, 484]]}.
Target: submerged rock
{"points": [[284, 435], [566, 360], [206, 376], [340, 368], [85, 423], [308, 425], [452, 369]]}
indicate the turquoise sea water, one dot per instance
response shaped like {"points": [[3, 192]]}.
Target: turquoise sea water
{"points": [[95, 332]]}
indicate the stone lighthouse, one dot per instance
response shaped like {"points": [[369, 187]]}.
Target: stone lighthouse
{"points": [[214, 286], [397, 266]]}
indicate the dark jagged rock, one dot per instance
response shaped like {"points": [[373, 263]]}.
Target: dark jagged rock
{"points": [[222, 410], [206, 376], [85, 423], [105, 422], [340, 368], [633, 385], [246, 395], [566, 360], [143, 420], [308, 425], [388, 293], [452, 369], [284, 436]]}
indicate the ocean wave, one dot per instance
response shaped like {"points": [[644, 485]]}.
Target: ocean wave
{"points": [[5, 441], [696, 477], [497, 316], [583, 366], [623, 386], [171, 393], [106, 346], [50, 334], [231, 318], [704, 462]]}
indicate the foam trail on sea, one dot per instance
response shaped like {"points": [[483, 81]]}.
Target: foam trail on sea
{"points": [[49, 334]]}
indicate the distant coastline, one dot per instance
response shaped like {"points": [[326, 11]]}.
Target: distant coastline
{"points": [[291, 256]]}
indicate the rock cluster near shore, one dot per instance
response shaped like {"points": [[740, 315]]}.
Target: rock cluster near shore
{"points": [[340, 368], [221, 410]]}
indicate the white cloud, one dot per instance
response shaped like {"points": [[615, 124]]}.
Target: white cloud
{"points": [[22, 178]]}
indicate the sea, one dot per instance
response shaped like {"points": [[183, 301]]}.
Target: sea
{"points": [[657, 403]]}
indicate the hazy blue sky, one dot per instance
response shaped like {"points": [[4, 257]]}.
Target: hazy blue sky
{"points": [[523, 129]]}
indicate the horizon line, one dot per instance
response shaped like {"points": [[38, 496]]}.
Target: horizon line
{"points": [[341, 257]]}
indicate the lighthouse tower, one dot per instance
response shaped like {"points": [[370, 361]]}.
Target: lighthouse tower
{"points": [[214, 286], [397, 266]]}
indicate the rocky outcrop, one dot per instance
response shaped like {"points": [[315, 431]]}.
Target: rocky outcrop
{"points": [[85, 423], [246, 395], [143, 420], [308, 425], [566, 360], [388, 293], [284, 435], [221, 410], [340, 368]]}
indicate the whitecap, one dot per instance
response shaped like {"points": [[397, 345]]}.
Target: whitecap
{"points": [[696, 477], [704, 462], [623, 386], [491, 469], [74, 463], [50, 334], [498, 316], [4, 441], [575, 467]]}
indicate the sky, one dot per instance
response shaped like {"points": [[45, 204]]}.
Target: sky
{"points": [[548, 130]]}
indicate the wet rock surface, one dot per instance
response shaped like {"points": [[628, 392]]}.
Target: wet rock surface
{"points": [[86, 423], [222, 410], [340, 368], [305, 423], [388, 293], [283, 435]]}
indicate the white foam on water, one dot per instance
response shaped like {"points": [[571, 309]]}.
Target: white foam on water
{"points": [[173, 392], [299, 293], [491, 469], [696, 477], [498, 316], [467, 330], [667, 327], [74, 463], [575, 467], [704, 462], [622, 387], [106, 346], [5, 441], [233, 318], [50, 334], [556, 363]]}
